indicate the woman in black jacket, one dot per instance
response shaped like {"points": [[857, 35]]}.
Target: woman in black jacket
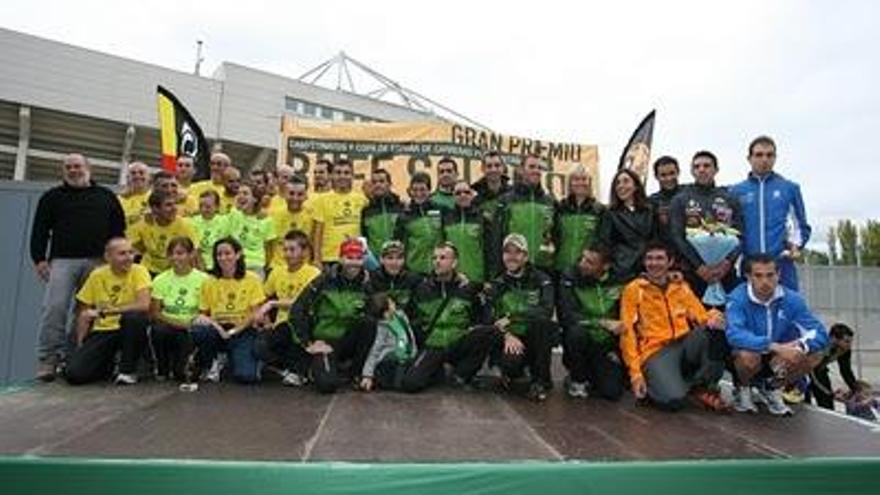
{"points": [[627, 226]]}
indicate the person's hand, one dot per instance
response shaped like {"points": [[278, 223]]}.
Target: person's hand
{"points": [[512, 344], [639, 388], [705, 273], [613, 326], [262, 314], [43, 269], [676, 276], [716, 321], [462, 280], [91, 314], [789, 352], [202, 320], [723, 268], [503, 323], [319, 347], [366, 383]]}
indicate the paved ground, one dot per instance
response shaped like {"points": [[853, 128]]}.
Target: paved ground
{"points": [[269, 422]]}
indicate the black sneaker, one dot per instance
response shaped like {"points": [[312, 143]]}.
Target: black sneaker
{"points": [[537, 393]]}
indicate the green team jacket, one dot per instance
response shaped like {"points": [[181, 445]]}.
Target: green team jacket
{"points": [[463, 311], [583, 301], [487, 202], [469, 231], [574, 228], [329, 307], [420, 228], [528, 210], [379, 219], [524, 299]]}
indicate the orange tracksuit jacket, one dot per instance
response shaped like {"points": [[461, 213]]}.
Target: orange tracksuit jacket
{"points": [[655, 316]]}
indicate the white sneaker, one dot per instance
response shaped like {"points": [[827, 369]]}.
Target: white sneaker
{"points": [[213, 374], [775, 403], [578, 390], [125, 379], [291, 379], [743, 400]]}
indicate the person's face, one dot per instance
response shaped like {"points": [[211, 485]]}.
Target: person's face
{"points": [[843, 342], [138, 178], [667, 176], [218, 165], [514, 259], [591, 264], [419, 192], [260, 184], [120, 255], [657, 264], [762, 158], [167, 210], [181, 259], [351, 265], [444, 261], [75, 171], [185, 168], [464, 195], [624, 187], [704, 170], [380, 185], [293, 252], [763, 278], [493, 167], [245, 199], [392, 262], [342, 178], [321, 175], [296, 196], [169, 186], [580, 185], [446, 175], [532, 171], [232, 181], [207, 206], [227, 258]]}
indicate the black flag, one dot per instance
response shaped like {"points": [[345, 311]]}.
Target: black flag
{"points": [[180, 135], [636, 155]]}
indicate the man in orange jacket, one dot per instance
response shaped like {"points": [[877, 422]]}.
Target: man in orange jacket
{"points": [[666, 335]]}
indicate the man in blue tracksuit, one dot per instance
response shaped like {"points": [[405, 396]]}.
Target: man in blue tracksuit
{"points": [[773, 211], [775, 337]]}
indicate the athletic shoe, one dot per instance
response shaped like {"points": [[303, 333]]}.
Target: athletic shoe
{"points": [[793, 396], [46, 371], [578, 390], [743, 400], [125, 379], [537, 393], [291, 379], [775, 404], [213, 374]]}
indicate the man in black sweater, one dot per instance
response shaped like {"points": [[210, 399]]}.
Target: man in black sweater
{"points": [[73, 222]]}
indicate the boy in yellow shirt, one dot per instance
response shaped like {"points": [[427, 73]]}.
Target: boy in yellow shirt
{"points": [[111, 315], [151, 235]]}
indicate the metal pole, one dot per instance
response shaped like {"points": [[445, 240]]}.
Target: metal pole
{"points": [[24, 141]]}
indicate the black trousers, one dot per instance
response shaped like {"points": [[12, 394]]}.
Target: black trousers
{"points": [[466, 356], [172, 347], [536, 356], [276, 347], [93, 359], [352, 349], [588, 361], [821, 389]]}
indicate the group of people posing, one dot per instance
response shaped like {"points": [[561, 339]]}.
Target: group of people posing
{"points": [[327, 285]]}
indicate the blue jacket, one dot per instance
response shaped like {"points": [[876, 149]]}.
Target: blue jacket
{"points": [[773, 214], [753, 325]]}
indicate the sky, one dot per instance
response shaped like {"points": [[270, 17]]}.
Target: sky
{"points": [[718, 73]]}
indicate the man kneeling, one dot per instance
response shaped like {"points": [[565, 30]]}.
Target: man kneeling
{"points": [[667, 358], [112, 315], [776, 340]]}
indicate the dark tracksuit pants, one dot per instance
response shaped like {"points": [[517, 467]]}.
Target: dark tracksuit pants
{"points": [[93, 360], [536, 356], [172, 347], [276, 347], [588, 361], [673, 370], [466, 355], [353, 346]]}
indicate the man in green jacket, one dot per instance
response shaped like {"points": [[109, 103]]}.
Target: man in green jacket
{"points": [[588, 310], [449, 322], [447, 176], [420, 225], [468, 231], [379, 217], [528, 210], [521, 300]]}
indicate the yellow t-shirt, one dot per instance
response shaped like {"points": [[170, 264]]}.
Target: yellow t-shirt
{"points": [[188, 206], [284, 284], [134, 206], [103, 288], [284, 221], [341, 216], [153, 239], [277, 204], [229, 300]]}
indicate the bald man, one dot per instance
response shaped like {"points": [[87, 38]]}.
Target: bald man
{"points": [[220, 162], [79, 217]]}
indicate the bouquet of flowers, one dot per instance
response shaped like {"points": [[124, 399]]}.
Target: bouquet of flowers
{"points": [[713, 241]]}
